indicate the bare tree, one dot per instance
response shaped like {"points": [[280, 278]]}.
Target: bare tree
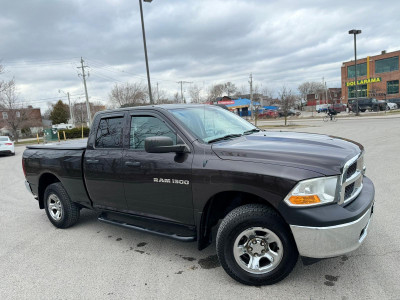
{"points": [[229, 88], [80, 111], [128, 94], [159, 94], [194, 92], [177, 98], [287, 100], [215, 91], [310, 87], [14, 114]]}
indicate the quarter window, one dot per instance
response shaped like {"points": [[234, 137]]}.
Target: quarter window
{"points": [[109, 133], [387, 65], [393, 87], [148, 126]]}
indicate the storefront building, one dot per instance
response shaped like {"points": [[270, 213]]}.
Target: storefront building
{"points": [[377, 77]]}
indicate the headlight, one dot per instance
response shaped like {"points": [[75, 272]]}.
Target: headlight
{"points": [[313, 192]]}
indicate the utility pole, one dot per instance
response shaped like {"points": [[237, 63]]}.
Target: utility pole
{"points": [[158, 94], [251, 94], [181, 83], [71, 114], [86, 93]]}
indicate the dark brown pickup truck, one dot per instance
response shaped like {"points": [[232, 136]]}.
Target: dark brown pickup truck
{"points": [[180, 170]]}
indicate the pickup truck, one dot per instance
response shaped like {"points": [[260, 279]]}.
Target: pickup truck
{"points": [[180, 170]]}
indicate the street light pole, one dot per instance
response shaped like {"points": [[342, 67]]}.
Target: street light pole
{"points": [[145, 50], [355, 32]]}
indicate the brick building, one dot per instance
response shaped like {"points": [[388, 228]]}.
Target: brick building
{"points": [[330, 96], [377, 77], [28, 119]]}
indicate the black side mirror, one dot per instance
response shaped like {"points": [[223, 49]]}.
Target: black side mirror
{"points": [[163, 144]]}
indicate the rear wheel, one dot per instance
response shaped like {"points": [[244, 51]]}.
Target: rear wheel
{"points": [[326, 118], [255, 245], [60, 210]]}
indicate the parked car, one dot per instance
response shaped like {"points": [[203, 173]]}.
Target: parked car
{"points": [[379, 105], [6, 145], [363, 104], [180, 171], [269, 113], [395, 100], [338, 107], [391, 106], [321, 108], [289, 113]]}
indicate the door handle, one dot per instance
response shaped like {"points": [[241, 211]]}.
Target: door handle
{"points": [[132, 163], [92, 161]]}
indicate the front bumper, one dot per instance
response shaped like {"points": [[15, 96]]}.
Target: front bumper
{"points": [[332, 230], [323, 242]]}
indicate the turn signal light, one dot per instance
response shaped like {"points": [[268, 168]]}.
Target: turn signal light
{"points": [[299, 200]]}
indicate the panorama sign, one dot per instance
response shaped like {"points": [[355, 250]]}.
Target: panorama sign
{"points": [[363, 81]]}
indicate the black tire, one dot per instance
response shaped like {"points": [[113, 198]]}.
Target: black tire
{"points": [[250, 216], [69, 210], [326, 118]]}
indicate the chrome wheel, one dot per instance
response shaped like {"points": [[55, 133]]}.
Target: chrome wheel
{"points": [[258, 250], [54, 207]]}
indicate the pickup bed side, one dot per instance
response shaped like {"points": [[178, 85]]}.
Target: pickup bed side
{"points": [[45, 165]]}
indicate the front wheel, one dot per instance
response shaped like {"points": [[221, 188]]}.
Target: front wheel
{"points": [[60, 210], [326, 118], [255, 246]]}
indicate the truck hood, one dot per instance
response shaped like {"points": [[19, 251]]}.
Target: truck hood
{"points": [[319, 153]]}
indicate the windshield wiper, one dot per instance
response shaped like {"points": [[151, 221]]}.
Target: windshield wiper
{"points": [[224, 137], [251, 131]]}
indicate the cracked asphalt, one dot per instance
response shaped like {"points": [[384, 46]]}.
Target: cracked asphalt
{"points": [[96, 260]]}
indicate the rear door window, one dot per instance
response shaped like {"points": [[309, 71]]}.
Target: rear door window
{"points": [[109, 133]]}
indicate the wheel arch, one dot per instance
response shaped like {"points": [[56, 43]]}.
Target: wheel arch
{"points": [[44, 181], [218, 206]]}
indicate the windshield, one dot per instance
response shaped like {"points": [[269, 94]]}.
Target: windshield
{"points": [[209, 123]]}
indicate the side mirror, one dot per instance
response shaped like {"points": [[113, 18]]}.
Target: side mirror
{"points": [[163, 144]]}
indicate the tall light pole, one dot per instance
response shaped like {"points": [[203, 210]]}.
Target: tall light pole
{"points": [[355, 32], [145, 50]]}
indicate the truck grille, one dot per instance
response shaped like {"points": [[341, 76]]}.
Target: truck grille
{"points": [[351, 179]]}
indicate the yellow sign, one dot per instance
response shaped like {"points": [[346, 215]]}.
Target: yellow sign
{"points": [[364, 81]]}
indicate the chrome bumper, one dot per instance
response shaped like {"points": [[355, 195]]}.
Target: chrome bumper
{"points": [[323, 242]]}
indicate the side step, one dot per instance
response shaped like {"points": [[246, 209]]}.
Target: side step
{"points": [[104, 218]]}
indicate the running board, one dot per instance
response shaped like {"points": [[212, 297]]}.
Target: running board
{"points": [[102, 218]]}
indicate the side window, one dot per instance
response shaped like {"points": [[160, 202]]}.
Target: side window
{"points": [[147, 126], [109, 133]]}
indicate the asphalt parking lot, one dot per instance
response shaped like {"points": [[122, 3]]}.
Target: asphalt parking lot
{"points": [[96, 260]]}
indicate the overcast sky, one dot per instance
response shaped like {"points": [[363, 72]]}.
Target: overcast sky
{"points": [[205, 42]]}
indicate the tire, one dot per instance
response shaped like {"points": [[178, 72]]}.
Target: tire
{"points": [[334, 119], [326, 118], [256, 222], [60, 210]]}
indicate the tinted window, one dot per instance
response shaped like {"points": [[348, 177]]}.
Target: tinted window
{"points": [[393, 87], [109, 133], [361, 70], [387, 65], [362, 91], [147, 126]]}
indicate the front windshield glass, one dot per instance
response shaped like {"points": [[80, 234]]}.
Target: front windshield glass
{"points": [[209, 122]]}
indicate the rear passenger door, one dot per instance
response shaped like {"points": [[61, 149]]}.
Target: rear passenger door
{"points": [[103, 163], [157, 185]]}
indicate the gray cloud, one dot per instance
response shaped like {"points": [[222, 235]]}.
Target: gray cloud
{"points": [[280, 42]]}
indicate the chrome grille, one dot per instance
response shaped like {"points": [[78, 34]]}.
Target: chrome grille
{"points": [[351, 179]]}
